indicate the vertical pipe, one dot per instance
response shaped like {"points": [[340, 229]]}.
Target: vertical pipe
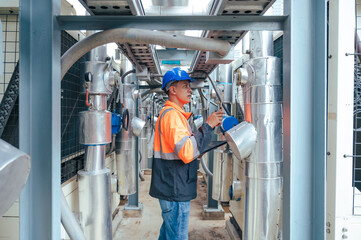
{"points": [[143, 141], [133, 199], [125, 152], [211, 203], [263, 169], [95, 132], [261, 44], [94, 157]]}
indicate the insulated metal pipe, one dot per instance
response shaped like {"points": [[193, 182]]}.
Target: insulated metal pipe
{"points": [[261, 43], [95, 206], [263, 169], [132, 35], [95, 132], [94, 157], [205, 168], [125, 142], [125, 149], [143, 140], [69, 221]]}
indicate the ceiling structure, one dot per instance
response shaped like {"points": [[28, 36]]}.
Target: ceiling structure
{"points": [[158, 59]]}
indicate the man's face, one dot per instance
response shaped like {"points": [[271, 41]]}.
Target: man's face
{"points": [[183, 91]]}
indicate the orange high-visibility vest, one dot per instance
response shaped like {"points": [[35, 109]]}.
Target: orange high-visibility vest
{"points": [[172, 139]]}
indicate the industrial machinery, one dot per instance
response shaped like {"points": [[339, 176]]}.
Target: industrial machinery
{"points": [[247, 172]]}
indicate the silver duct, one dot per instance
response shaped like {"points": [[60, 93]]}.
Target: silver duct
{"points": [[261, 44], [14, 172], [125, 145], [223, 162], [263, 169], [143, 140], [95, 133], [131, 35], [69, 221]]}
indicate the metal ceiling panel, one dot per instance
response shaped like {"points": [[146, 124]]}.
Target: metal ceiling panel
{"points": [[227, 7], [109, 7], [143, 55]]}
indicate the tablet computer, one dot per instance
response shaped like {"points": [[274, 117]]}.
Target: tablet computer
{"points": [[213, 145]]}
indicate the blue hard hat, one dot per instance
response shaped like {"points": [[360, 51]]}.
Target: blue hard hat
{"points": [[175, 74]]}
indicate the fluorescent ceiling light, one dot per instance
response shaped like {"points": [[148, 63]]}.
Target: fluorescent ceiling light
{"points": [[176, 7]]}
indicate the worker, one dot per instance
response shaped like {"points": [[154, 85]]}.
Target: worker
{"points": [[174, 169]]}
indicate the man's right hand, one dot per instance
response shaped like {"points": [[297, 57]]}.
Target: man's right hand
{"points": [[215, 118]]}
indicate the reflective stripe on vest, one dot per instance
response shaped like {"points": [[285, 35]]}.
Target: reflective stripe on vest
{"points": [[178, 146]]}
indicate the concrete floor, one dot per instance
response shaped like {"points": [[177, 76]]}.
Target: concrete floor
{"points": [[147, 227]]}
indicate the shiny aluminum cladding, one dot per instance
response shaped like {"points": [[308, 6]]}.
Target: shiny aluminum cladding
{"points": [[263, 168], [100, 82]]}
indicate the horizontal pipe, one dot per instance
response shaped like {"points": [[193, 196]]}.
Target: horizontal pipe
{"points": [[131, 35]]}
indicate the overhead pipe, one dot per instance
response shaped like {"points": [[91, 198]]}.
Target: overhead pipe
{"points": [[132, 35], [149, 91]]}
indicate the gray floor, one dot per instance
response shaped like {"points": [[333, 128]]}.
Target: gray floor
{"points": [[147, 227]]}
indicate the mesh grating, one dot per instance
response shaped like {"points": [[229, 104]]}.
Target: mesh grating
{"points": [[72, 102], [10, 32]]}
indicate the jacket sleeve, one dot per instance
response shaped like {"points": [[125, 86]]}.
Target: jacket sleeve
{"points": [[203, 136], [179, 139]]}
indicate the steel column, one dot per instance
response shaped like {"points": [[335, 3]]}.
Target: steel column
{"points": [[340, 121], [171, 23], [40, 118], [319, 119], [304, 86]]}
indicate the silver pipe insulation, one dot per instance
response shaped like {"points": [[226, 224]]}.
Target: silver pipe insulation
{"points": [[94, 157], [150, 91], [131, 35], [263, 168], [205, 168], [94, 182], [126, 74], [95, 133], [69, 221]]}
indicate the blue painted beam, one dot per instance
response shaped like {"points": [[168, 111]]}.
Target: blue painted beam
{"points": [[40, 118], [305, 104], [225, 23]]}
